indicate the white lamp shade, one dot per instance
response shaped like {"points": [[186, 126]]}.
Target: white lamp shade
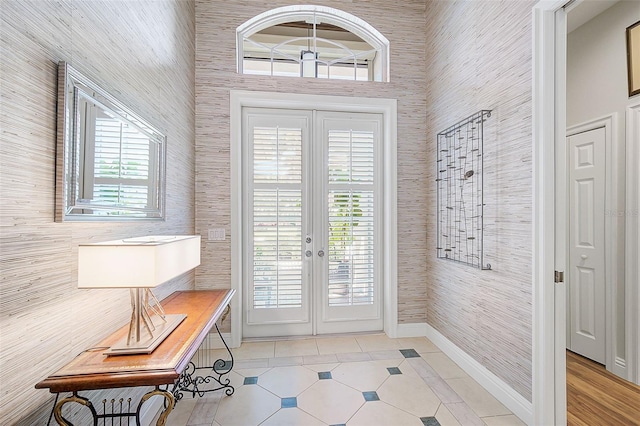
{"points": [[137, 262]]}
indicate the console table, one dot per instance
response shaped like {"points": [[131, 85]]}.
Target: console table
{"points": [[169, 368]]}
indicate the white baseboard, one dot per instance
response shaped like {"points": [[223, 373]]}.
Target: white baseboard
{"points": [[504, 393], [412, 330], [619, 368]]}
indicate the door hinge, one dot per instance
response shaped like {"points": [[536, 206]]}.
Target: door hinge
{"points": [[559, 277]]}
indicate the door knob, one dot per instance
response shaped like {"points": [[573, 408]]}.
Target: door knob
{"points": [[308, 253], [584, 256], [321, 253]]}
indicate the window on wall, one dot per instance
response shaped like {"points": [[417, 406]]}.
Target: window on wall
{"points": [[119, 164], [312, 41]]}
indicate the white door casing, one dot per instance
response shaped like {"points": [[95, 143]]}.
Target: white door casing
{"points": [[388, 232], [632, 242], [586, 262], [549, 131], [549, 134]]}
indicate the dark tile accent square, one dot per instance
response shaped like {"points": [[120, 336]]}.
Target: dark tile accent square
{"points": [[430, 421], [394, 370], [371, 396], [289, 402], [324, 375], [409, 353], [250, 381]]}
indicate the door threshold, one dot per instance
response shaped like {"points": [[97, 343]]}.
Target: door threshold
{"points": [[310, 336]]}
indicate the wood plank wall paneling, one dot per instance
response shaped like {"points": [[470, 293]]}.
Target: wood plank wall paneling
{"points": [[143, 53], [479, 57], [216, 75]]}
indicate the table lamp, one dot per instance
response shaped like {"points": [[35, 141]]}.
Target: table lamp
{"points": [[139, 264]]}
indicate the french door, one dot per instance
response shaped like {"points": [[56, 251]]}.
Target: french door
{"points": [[311, 221]]}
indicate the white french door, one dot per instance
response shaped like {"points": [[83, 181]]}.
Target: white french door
{"points": [[311, 220]]}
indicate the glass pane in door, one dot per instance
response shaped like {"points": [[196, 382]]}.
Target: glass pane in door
{"points": [[277, 248], [277, 217]]}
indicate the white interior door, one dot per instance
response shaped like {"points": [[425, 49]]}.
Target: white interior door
{"points": [[586, 247], [311, 217]]}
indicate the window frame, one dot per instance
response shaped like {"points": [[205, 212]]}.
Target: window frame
{"points": [[317, 14]]}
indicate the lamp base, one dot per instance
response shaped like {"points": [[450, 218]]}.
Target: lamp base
{"points": [[148, 344]]}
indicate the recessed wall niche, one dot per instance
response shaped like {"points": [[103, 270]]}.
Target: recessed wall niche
{"points": [[460, 191]]}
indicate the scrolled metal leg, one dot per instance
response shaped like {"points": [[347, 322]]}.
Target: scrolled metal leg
{"points": [[57, 411], [215, 376], [220, 363], [169, 404]]}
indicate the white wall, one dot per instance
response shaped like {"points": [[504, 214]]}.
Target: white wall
{"points": [[597, 64], [597, 86]]}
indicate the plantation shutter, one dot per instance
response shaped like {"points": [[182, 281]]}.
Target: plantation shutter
{"points": [[351, 166], [277, 217], [122, 164]]}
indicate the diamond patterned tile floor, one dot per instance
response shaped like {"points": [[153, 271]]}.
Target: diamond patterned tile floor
{"points": [[363, 380]]}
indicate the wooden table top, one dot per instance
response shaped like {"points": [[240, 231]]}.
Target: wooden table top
{"points": [[94, 370]]}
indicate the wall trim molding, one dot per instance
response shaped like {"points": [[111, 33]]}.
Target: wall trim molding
{"points": [[504, 393], [632, 243], [548, 119], [418, 329], [239, 99], [313, 13]]}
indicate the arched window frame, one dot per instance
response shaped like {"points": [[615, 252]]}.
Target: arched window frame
{"points": [[317, 14]]}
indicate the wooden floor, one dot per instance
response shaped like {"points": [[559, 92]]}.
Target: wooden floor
{"points": [[596, 397]]}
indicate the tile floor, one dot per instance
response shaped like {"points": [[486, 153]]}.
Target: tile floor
{"points": [[357, 380]]}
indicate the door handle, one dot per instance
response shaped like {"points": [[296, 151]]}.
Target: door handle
{"points": [[584, 256], [321, 253]]}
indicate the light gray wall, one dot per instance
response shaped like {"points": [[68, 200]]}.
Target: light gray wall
{"points": [[216, 75], [142, 52], [446, 62], [597, 65], [479, 57], [597, 86]]}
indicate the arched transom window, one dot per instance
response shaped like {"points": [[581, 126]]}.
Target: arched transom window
{"points": [[312, 41]]}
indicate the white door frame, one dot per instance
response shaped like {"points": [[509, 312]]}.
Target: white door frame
{"points": [[632, 246], [388, 109], [549, 300]]}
